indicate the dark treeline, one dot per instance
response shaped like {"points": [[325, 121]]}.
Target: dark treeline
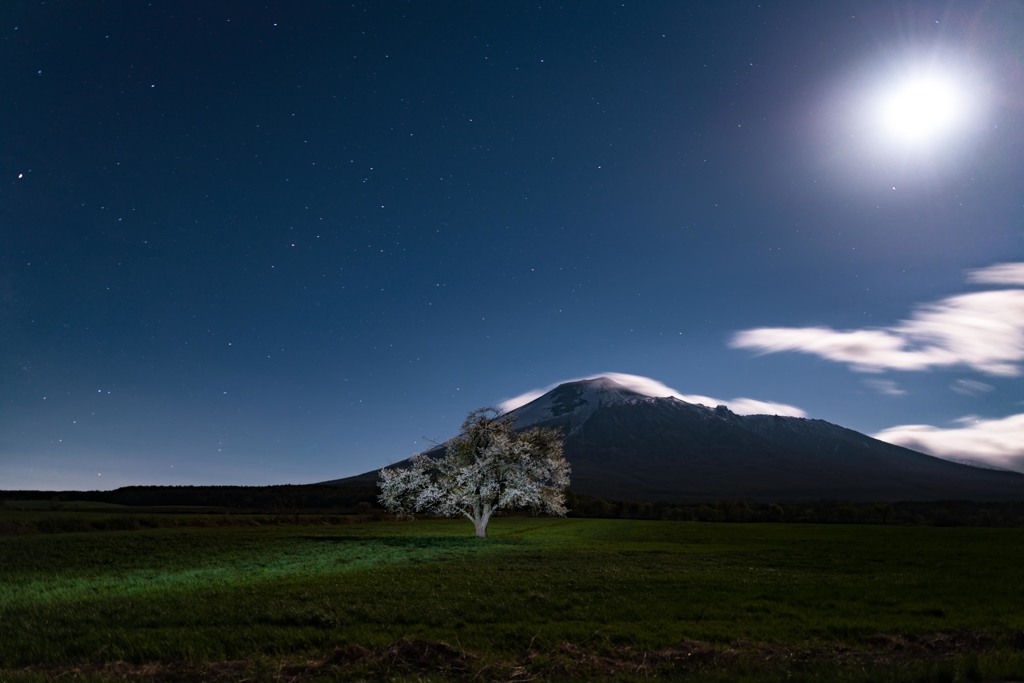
{"points": [[288, 498], [331, 499], [933, 513]]}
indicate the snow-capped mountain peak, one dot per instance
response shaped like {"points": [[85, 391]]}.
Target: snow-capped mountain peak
{"points": [[577, 401]]}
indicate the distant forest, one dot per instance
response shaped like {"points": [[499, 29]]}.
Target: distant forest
{"points": [[322, 499]]}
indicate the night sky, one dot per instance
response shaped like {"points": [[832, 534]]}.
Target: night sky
{"points": [[284, 242]]}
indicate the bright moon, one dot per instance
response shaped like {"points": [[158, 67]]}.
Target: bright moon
{"points": [[920, 109], [910, 117]]}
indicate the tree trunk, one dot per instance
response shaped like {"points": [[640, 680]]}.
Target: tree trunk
{"points": [[480, 519]]}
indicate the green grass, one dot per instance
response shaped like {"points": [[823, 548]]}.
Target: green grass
{"points": [[541, 597]]}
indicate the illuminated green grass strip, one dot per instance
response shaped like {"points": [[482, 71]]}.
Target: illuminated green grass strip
{"points": [[306, 557]]}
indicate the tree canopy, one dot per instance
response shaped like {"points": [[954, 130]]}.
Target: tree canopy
{"points": [[488, 466]]}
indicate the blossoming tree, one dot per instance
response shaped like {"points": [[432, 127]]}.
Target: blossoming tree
{"points": [[489, 466]]}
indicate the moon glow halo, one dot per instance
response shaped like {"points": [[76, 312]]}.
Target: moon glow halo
{"points": [[913, 119]]}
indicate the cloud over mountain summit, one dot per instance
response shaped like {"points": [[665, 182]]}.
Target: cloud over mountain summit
{"points": [[652, 387]]}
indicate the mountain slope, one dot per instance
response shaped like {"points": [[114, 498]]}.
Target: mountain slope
{"points": [[624, 445]]}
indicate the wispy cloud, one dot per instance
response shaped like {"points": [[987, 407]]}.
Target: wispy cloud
{"points": [[991, 442], [886, 387], [652, 387], [970, 387], [983, 331]]}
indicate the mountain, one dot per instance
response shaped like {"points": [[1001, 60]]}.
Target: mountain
{"points": [[623, 445]]}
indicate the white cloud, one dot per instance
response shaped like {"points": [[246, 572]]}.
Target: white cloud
{"points": [[983, 331], [652, 387], [999, 274], [523, 399], [886, 387], [752, 406], [995, 443]]}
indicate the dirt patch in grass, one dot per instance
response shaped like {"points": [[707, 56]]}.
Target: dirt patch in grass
{"points": [[404, 656], [419, 660]]}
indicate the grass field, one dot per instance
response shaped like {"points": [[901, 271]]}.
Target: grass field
{"points": [[541, 599]]}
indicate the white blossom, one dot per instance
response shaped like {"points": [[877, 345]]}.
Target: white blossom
{"points": [[489, 466]]}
